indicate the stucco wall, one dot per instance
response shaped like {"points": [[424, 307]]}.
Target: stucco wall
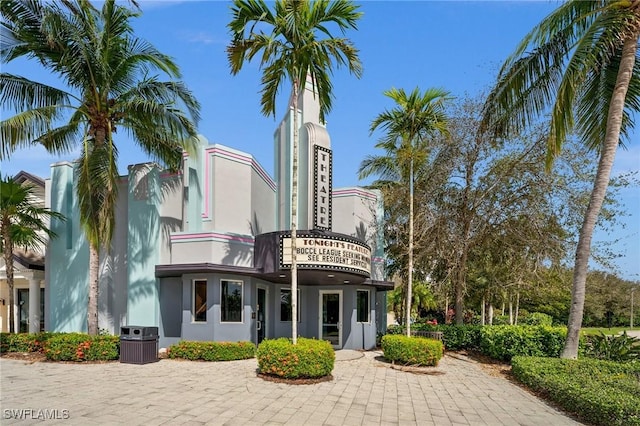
{"points": [[112, 298], [67, 257], [213, 329]]}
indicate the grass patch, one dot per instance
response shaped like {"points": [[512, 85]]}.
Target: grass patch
{"points": [[589, 331]]}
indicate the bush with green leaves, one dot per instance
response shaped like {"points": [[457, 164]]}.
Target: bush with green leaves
{"points": [[309, 358], [212, 351], [599, 392], [24, 342], [503, 342], [18, 342], [536, 318], [454, 337], [620, 347], [82, 347], [412, 350], [500, 320], [461, 337]]}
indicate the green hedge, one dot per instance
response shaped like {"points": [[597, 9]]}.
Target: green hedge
{"points": [[503, 342], [600, 392], [82, 347], [463, 337], [212, 351], [24, 342], [309, 358], [454, 337], [412, 350], [537, 318]]}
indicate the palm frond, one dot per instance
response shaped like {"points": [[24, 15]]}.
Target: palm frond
{"points": [[31, 125], [19, 93]]}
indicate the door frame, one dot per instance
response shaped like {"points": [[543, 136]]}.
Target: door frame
{"points": [[264, 323], [321, 293]]}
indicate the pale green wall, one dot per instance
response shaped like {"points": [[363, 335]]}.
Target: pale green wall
{"points": [[143, 245], [67, 257]]}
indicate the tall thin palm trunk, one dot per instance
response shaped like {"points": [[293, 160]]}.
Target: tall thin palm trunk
{"points": [[410, 272], [607, 155], [8, 262], [294, 219], [92, 310]]}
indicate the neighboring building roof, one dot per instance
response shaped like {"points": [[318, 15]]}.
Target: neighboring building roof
{"points": [[23, 176], [29, 259]]}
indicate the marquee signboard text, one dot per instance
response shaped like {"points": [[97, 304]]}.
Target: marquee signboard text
{"points": [[327, 253]]}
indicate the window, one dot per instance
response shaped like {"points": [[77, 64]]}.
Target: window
{"points": [[231, 301], [199, 303], [362, 305], [285, 304]]}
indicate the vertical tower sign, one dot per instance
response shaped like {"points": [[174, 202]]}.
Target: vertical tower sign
{"points": [[322, 188]]}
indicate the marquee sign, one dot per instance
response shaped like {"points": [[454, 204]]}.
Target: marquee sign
{"points": [[327, 252], [322, 176]]}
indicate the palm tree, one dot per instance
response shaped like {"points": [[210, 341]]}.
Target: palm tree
{"points": [[113, 85], [298, 44], [580, 61], [22, 224], [409, 126]]}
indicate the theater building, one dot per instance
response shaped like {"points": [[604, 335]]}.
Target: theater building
{"points": [[206, 254]]}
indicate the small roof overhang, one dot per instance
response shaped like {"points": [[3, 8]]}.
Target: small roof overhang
{"points": [[305, 276]]}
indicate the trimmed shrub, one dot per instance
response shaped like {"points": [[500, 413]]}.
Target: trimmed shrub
{"points": [[81, 347], [24, 342], [454, 337], [309, 358], [600, 392], [503, 342], [18, 342], [536, 318], [412, 350], [461, 337], [501, 320], [102, 348], [212, 351]]}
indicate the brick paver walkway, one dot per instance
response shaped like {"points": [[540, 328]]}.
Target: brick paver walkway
{"points": [[364, 391]]}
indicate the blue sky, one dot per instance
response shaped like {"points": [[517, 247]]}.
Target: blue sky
{"points": [[457, 46]]}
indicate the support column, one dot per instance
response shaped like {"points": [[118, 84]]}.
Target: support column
{"points": [[34, 305]]}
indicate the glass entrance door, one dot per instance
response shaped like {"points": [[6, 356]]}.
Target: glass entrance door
{"points": [[261, 323], [331, 317], [23, 310]]}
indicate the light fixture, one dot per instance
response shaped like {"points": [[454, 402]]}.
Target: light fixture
{"points": [[282, 275], [346, 281], [330, 275]]}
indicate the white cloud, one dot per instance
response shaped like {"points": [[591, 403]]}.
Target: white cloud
{"points": [[200, 37]]}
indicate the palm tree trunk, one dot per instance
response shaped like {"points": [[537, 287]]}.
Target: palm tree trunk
{"points": [[510, 309], [410, 274], [92, 310], [515, 319], [8, 262], [607, 155], [294, 219]]}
